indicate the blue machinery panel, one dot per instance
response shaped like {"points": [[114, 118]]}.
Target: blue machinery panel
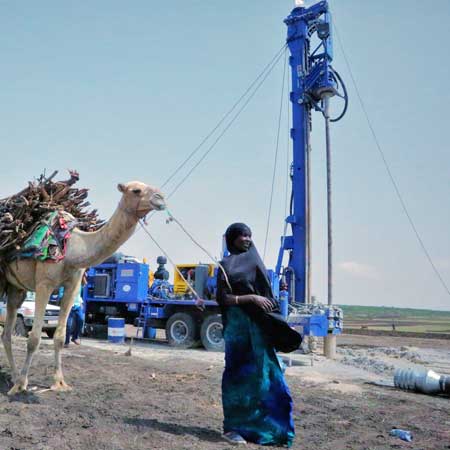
{"points": [[122, 282], [320, 321], [132, 282]]}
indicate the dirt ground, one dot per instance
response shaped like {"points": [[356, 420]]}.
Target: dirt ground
{"points": [[161, 398]]}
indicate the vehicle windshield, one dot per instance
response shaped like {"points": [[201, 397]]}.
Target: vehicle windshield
{"points": [[31, 296]]}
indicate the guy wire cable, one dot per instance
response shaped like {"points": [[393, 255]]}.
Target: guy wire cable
{"points": [[272, 65], [275, 163], [227, 127], [265, 73], [386, 165], [199, 301], [173, 219], [196, 149]]}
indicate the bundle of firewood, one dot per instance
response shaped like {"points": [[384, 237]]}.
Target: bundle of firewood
{"points": [[22, 213]]}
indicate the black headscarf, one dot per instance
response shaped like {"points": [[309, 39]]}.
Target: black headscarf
{"points": [[247, 275]]}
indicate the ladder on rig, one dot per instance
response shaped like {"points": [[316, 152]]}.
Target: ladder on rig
{"points": [[142, 320]]}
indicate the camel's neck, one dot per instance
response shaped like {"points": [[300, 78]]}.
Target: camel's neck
{"points": [[88, 249]]}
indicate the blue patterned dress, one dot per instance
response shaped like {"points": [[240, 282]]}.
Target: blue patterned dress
{"points": [[256, 400]]}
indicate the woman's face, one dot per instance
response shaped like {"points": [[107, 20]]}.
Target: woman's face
{"points": [[243, 242]]}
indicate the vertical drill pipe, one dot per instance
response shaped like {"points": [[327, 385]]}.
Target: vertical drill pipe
{"points": [[329, 203], [330, 340], [308, 221]]}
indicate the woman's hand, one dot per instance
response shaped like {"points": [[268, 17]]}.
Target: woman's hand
{"points": [[263, 302]]}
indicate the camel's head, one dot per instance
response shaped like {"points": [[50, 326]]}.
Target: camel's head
{"points": [[139, 198]]}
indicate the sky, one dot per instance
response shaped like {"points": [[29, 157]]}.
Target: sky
{"points": [[125, 91]]}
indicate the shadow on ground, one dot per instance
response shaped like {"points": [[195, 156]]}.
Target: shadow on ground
{"points": [[6, 384], [204, 434]]}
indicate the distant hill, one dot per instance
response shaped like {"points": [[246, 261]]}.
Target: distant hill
{"points": [[387, 312]]}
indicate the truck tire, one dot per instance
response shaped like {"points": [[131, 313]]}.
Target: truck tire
{"points": [[50, 332], [182, 331], [211, 333], [96, 331], [20, 329]]}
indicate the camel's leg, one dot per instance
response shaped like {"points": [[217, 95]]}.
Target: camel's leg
{"points": [[15, 300], [71, 289], [43, 292]]}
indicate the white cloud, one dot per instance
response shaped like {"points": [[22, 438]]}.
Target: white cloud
{"points": [[359, 270]]}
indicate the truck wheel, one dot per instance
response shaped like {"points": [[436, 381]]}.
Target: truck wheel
{"points": [[50, 332], [20, 329], [182, 331], [96, 331], [212, 333]]}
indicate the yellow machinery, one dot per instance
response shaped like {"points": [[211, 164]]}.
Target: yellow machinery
{"points": [[190, 273]]}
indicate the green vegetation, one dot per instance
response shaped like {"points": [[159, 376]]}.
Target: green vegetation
{"points": [[386, 312], [404, 319]]}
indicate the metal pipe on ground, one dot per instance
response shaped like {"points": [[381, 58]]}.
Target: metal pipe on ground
{"points": [[422, 380]]}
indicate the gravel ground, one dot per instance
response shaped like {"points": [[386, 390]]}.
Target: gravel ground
{"points": [[161, 398]]}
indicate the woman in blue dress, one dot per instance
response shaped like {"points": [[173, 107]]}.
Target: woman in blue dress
{"points": [[257, 404]]}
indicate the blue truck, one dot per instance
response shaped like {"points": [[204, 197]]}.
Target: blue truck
{"points": [[125, 287]]}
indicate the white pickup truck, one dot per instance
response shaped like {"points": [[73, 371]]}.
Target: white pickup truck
{"points": [[25, 317]]}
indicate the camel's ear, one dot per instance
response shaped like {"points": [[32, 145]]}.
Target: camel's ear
{"points": [[121, 187]]}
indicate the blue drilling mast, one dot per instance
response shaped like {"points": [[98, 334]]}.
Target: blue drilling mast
{"points": [[314, 81], [119, 288]]}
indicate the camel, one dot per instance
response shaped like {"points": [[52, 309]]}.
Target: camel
{"points": [[84, 249]]}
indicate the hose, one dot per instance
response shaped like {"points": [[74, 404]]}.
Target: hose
{"points": [[340, 82]]}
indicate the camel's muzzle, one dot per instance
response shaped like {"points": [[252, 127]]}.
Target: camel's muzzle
{"points": [[157, 201]]}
